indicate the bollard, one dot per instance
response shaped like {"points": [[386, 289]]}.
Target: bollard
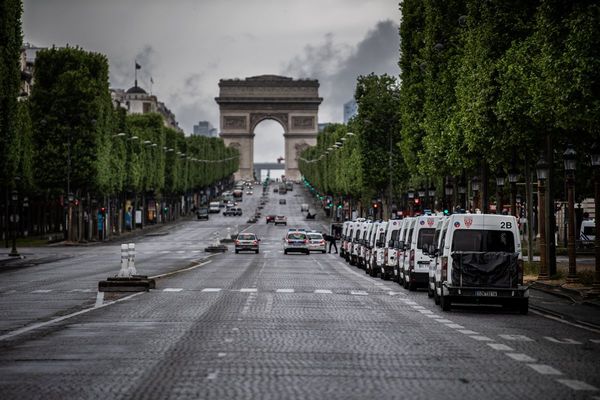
{"points": [[123, 272], [131, 268]]}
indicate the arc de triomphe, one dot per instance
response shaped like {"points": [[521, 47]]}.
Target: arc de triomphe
{"points": [[243, 104]]}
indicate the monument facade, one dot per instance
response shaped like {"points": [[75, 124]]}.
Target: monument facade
{"points": [[294, 104]]}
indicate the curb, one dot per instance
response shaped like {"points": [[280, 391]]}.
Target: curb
{"points": [[564, 293]]}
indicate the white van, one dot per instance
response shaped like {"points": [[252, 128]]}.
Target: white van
{"points": [[348, 241], [481, 262], [380, 248], [390, 252], [364, 249], [370, 258], [345, 228], [408, 227], [587, 232], [434, 257], [214, 207], [358, 226], [416, 262]]}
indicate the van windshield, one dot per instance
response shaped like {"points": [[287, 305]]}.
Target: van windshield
{"points": [[483, 240], [425, 237]]}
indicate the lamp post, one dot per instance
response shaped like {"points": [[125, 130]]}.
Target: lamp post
{"points": [[513, 178], [569, 158], [14, 218], [499, 186], [431, 193], [462, 191], [475, 187], [542, 174], [448, 191], [595, 160], [421, 193], [411, 197]]}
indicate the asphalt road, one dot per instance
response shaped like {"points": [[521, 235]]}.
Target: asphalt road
{"points": [[268, 326]]}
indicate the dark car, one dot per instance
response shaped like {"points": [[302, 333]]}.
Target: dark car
{"points": [[202, 213], [270, 218], [237, 211], [282, 201]]}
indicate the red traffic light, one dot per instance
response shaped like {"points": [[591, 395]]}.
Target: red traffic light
{"points": [[375, 205], [103, 210], [417, 200]]}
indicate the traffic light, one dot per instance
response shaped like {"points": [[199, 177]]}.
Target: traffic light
{"points": [[417, 201], [446, 212], [375, 205], [103, 210]]}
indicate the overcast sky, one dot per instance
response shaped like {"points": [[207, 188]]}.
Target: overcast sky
{"points": [[186, 46]]}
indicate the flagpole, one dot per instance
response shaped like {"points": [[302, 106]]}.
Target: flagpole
{"points": [[135, 71]]}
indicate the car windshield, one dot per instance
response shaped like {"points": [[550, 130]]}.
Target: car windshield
{"points": [[425, 237], [246, 236], [483, 240], [296, 236]]}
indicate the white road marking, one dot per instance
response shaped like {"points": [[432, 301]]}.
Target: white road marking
{"points": [[521, 357], [42, 291], [481, 338], [500, 347], [285, 290], [419, 307], [563, 341], [323, 291], [468, 332], [392, 293], [228, 340], [562, 321], [248, 290], [172, 289], [64, 317], [99, 299], [410, 303], [182, 270], [544, 369], [212, 375], [444, 321], [165, 251], [425, 311], [455, 326], [180, 251], [221, 354], [595, 340], [519, 338], [211, 290], [358, 292], [577, 385], [81, 291], [434, 316]]}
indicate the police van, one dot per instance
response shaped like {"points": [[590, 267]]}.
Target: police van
{"points": [[364, 244], [345, 227], [380, 248], [355, 247], [404, 244], [371, 253], [390, 252], [434, 257], [348, 241], [416, 261], [481, 262]]}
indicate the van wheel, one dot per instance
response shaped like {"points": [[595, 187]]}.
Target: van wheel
{"points": [[445, 303], [524, 307], [285, 252], [237, 252], [256, 252], [405, 283]]}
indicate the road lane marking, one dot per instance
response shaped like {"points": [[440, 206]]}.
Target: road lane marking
{"points": [[64, 317], [561, 341], [500, 347], [425, 312], [248, 290], [544, 369], [563, 321], [434, 316], [99, 299], [322, 291], [419, 307], [212, 376], [285, 290], [221, 355], [521, 357], [468, 332], [358, 293], [172, 289], [211, 290], [577, 385], [182, 270], [444, 321], [519, 338], [42, 291], [481, 338], [455, 326], [597, 341]]}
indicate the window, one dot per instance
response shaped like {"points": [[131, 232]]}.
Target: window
{"points": [[296, 236], [315, 236], [394, 235], [425, 237], [483, 240]]}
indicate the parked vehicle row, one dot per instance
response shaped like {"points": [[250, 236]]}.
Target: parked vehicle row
{"points": [[461, 258]]}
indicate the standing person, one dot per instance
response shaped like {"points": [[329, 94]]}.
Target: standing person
{"points": [[331, 239]]}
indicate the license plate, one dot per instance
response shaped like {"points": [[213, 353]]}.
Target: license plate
{"points": [[486, 293]]}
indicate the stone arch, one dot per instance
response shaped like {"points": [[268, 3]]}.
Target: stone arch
{"points": [[243, 104]]}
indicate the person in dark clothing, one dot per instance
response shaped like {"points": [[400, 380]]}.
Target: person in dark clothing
{"points": [[331, 239]]}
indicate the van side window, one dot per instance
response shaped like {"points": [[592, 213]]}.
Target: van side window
{"points": [[425, 237], [443, 240]]}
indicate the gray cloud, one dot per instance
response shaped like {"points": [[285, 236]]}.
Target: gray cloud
{"points": [[122, 71], [337, 66]]}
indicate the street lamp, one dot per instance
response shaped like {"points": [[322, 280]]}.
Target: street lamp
{"points": [[475, 188], [449, 191], [542, 174], [569, 158], [431, 193], [500, 178], [462, 190], [595, 161], [513, 178], [14, 218]]}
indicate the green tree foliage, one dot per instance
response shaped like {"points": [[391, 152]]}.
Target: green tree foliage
{"points": [[72, 115], [10, 78]]}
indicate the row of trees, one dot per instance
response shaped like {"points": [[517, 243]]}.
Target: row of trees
{"points": [[484, 86], [67, 146]]}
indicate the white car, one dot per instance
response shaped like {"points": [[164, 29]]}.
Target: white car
{"points": [[316, 242], [295, 242]]}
